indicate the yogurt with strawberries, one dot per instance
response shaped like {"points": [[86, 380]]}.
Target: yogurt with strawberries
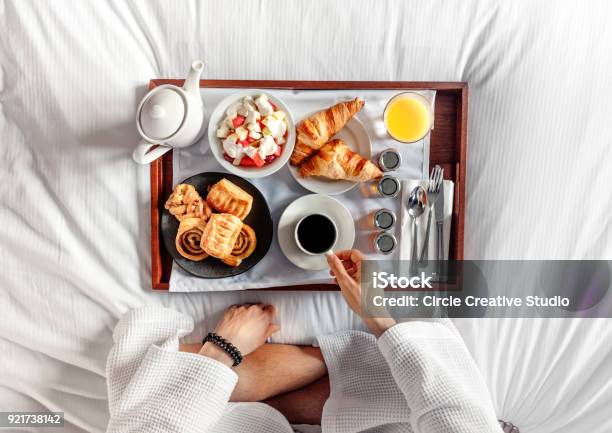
{"points": [[253, 132]]}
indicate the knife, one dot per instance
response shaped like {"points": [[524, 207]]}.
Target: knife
{"points": [[439, 213]]}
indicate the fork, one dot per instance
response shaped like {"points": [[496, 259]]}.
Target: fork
{"points": [[433, 191]]}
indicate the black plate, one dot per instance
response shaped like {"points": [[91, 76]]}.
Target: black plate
{"points": [[259, 219]]}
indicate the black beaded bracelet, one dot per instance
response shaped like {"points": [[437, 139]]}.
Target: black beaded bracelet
{"points": [[228, 347]]}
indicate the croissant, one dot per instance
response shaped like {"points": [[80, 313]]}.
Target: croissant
{"points": [[243, 248], [316, 130], [336, 160], [188, 239], [185, 202]]}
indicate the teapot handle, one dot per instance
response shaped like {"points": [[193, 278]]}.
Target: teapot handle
{"points": [[146, 152]]}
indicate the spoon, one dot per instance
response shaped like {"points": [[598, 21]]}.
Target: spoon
{"points": [[416, 206]]}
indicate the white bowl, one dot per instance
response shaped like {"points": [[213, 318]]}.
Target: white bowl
{"points": [[215, 143]]}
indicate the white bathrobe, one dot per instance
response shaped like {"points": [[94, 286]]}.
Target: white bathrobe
{"points": [[418, 377]]}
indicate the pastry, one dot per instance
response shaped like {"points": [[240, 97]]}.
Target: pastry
{"points": [[336, 160], [185, 202], [243, 248], [220, 235], [188, 239], [316, 130], [226, 197]]}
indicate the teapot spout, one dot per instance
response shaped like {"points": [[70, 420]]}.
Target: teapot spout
{"points": [[192, 82]]}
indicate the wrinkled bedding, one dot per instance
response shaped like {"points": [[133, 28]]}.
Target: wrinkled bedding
{"points": [[74, 212]]}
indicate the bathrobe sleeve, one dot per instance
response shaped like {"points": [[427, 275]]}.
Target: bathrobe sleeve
{"points": [[437, 376], [153, 387]]}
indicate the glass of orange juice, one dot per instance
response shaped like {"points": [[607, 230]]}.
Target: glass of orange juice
{"points": [[408, 117]]}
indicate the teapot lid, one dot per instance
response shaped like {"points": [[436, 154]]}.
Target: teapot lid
{"points": [[162, 114]]}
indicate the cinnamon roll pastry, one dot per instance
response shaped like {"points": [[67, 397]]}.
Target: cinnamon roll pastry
{"points": [[227, 197], [220, 235], [185, 202], [189, 237], [243, 248]]}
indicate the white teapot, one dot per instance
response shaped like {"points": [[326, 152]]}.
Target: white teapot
{"points": [[170, 116]]}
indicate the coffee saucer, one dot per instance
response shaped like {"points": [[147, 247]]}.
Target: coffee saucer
{"points": [[306, 205]]}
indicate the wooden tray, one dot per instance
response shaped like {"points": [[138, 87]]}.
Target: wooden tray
{"points": [[448, 148]]}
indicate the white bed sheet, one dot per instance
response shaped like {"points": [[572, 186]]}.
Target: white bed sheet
{"points": [[74, 208]]}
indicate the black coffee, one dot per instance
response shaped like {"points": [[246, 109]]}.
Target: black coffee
{"points": [[316, 233]]}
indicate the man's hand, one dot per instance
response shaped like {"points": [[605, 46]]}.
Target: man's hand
{"points": [[246, 326], [345, 266]]}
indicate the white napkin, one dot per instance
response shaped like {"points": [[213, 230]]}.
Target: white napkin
{"points": [[407, 223], [281, 189]]}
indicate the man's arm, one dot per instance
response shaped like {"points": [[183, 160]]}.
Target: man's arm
{"points": [[274, 369], [151, 384], [428, 360], [436, 374]]}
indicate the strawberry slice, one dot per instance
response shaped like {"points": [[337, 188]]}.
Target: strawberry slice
{"points": [[250, 139], [244, 143], [237, 121], [261, 125]]}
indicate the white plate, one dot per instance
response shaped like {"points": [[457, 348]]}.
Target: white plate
{"points": [[306, 205], [356, 137], [215, 143]]}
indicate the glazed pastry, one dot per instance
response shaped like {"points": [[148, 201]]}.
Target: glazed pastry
{"points": [[188, 239], [316, 130], [226, 197], [232, 261], [220, 235], [185, 202], [336, 160], [243, 248]]}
